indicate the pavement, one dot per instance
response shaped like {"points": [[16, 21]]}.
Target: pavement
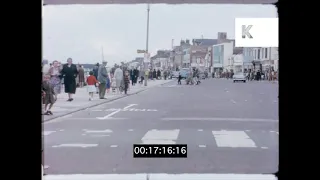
{"points": [[230, 128], [81, 99]]}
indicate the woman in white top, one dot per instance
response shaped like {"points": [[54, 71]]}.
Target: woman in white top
{"points": [[55, 79]]}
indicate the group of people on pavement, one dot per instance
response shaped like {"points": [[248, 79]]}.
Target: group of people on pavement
{"points": [[55, 76]]}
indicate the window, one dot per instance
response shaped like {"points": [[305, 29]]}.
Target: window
{"points": [[258, 53], [266, 53], [262, 53]]}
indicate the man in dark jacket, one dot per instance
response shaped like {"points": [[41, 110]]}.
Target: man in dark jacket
{"points": [[95, 70]]}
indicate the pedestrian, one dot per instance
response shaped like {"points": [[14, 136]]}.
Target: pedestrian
{"points": [[95, 73], [102, 78], [136, 75], [158, 74], [49, 95], [45, 67], [154, 74], [92, 82], [179, 79], [69, 73], [81, 76], [165, 74], [108, 85], [118, 74], [126, 82], [113, 84], [55, 79]]}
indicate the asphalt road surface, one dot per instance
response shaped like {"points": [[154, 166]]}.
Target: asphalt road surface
{"points": [[228, 127]]}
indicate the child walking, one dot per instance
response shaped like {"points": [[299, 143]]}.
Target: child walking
{"points": [[113, 84], [91, 82], [126, 82], [49, 95]]}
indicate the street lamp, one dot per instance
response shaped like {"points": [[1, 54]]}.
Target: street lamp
{"points": [[147, 47]]}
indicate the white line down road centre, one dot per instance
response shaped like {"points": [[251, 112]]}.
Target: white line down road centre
{"points": [[127, 108]]}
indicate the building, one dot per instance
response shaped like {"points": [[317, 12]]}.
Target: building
{"points": [[197, 56], [262, 58], [177, 54], [220, 54], [161, 60]]}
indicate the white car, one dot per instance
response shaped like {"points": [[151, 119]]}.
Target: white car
{"points": [[239, 77]]}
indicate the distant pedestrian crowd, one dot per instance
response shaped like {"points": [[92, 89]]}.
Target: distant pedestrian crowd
{"points": [[257, 75]]}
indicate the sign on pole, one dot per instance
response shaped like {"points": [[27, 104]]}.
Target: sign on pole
{"points": [[146, 57], [141, 51]]}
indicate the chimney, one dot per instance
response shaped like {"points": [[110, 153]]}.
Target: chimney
{"points": [[182, 42], [187, 41]]}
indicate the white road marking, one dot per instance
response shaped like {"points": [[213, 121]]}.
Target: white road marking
{"points": [[98, 131], [245, 100], [202, 146], [161, 176], [114, 146], [220, 119], [160, 136], [272, 131], [277, 133], [264, 147], [130, 129], [233, 101], [247, 130], [75, 145], [97, 110], [234, 139], [46, 133], [94, 118], [100, 135], [61, 130], [83, 134], [200, 129], [115, 112]]}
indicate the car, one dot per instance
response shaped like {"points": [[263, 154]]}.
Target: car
{"points": [[184, 72], [174, 74], [239, 77]]}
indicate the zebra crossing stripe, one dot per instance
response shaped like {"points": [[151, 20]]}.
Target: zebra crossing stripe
{"points": [[161, 177], [234, 139], [155, 136]]}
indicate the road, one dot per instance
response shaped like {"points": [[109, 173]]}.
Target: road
{"points": [[100, 140]]}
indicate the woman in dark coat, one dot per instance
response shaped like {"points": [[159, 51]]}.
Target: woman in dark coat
{"points": [[154, 74], [69, 72]]}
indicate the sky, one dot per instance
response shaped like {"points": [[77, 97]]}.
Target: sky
{"points": [[88, 33]]}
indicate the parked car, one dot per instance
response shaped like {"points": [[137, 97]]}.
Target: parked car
{"points": [[184, 72], [239, 77], [174, 74]]}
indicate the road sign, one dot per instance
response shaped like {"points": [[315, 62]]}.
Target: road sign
{"points": [[141, 51]]}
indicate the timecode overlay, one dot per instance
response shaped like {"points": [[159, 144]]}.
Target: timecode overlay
{"points": [[160, 150]]}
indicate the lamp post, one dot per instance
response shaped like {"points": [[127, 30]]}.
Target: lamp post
{"points": [[147, 47]]}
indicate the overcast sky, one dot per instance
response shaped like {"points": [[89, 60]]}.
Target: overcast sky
{"points": [[80, 31]]}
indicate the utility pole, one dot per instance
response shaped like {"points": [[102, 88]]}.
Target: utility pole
{"points": [[147, 47]]}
